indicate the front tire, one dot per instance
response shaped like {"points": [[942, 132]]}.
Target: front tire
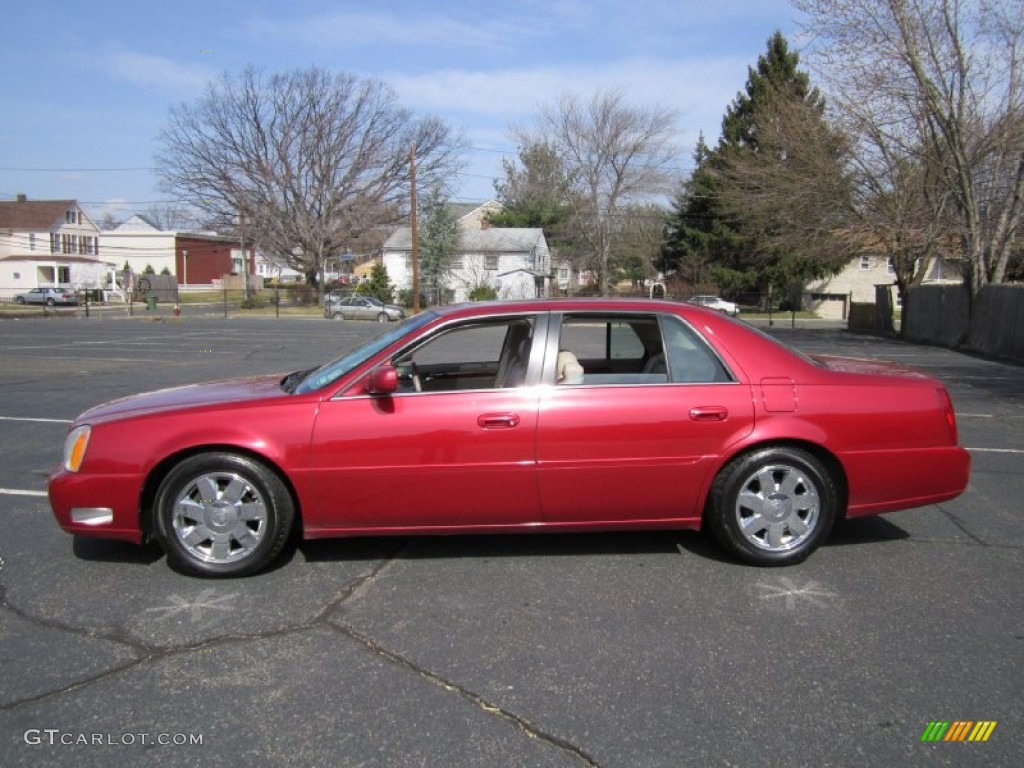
{"points": [[773, 506], [222, 514], [382, 318]]}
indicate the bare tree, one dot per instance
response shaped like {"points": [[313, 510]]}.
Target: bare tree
{"points": [[614, 154], [938, 84], [307, 162], [172, 216]]}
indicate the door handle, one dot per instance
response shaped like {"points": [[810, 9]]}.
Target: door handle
{"points": [[709, 413], [498, 420]]}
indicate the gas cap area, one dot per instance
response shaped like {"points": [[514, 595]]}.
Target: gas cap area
{"points": [[778, 394]]}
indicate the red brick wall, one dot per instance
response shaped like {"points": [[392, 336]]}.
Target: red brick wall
{"points": [[208, 260]]}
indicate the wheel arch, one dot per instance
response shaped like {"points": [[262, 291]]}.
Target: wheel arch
{"points": [[156, 475], [822, 454]]}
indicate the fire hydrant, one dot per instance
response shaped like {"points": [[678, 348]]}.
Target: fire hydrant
{"points": [[177, 311]]}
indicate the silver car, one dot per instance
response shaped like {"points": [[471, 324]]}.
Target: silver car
{"points": [[48, 296], [361, 308]]}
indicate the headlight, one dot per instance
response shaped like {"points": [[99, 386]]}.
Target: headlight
{"points": [[74, 447]]}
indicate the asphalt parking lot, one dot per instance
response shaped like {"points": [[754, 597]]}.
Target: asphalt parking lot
{"points": [[648, 649]]}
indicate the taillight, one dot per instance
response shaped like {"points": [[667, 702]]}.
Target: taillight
{"points": [[947, 406]]}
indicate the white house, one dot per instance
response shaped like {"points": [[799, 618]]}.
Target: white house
{"points": [[48, 243], [515, 262]]}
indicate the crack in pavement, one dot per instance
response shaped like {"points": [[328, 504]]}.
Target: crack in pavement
{"points": [[476, 699], [148, 652]]}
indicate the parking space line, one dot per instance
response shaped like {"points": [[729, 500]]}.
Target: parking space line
{"points": [[41, 421], [19, 492], [996, 450]]}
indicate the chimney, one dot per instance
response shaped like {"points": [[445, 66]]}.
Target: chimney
{"points": [[22, 197]]}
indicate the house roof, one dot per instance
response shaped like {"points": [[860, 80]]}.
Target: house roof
{"points": [[493, 239], [137, 223], [33, 214]]}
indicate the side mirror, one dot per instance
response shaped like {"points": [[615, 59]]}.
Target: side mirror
{"points": [[383, 380]]}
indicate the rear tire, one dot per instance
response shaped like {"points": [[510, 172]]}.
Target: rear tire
{"points": [[773, 506], [222, 514], [382, 318]]}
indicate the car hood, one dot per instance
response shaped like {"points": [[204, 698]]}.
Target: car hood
{"points": [[868, 367], [190, 396]]}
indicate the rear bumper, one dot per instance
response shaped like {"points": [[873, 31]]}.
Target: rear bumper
{"points": [[887, 481]]}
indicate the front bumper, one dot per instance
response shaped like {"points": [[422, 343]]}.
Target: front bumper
{"points": [[99, 506]]}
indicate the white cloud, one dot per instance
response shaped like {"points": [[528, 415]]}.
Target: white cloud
{"points": [[699, 89], [150, 71]]}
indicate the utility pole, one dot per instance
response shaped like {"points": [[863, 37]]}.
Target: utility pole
{"points": [[415, 234]]}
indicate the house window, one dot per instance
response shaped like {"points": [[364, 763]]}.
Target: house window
{"points": [[491, 262], [456, 261], [865, 262], [71, 217], [889, 266], [408, 262], [32, 241], [54, 242]]}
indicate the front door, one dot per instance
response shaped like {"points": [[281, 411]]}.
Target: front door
{"points": [[454, 448]]}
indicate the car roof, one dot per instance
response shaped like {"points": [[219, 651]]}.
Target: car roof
{"points": [[575, 304]]}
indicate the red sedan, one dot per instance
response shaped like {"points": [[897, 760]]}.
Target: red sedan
{"points": [[548, 415]]}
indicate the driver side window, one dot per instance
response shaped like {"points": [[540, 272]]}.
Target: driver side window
{"points": [[472, 355]]}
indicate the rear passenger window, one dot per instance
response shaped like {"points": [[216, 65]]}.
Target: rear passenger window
{"points": [[690, 360], [610, 349]]}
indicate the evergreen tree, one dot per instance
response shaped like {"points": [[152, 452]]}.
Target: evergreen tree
{"points": [[700, 242], [378, 285], [535, 191], [438, 242], [742, 220]]}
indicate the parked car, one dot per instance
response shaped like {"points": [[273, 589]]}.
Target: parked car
{"points": [[361, 308], [465, 419], [715, 302], [48, 296]]}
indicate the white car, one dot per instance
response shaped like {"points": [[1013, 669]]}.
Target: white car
{"points": [[715, 302]]}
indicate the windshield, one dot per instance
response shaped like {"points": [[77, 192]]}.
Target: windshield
{"points": [[320, 377]]}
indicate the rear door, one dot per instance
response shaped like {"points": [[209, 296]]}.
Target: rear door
{"points": [[636, 439]]}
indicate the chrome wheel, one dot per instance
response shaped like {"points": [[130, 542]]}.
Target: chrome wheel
{"points": [[382, 318], [773, 506], [222, 514], [777, 508], [219, 517]]}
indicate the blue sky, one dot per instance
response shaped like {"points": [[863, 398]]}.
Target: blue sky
{"points": [[87, 85]]}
